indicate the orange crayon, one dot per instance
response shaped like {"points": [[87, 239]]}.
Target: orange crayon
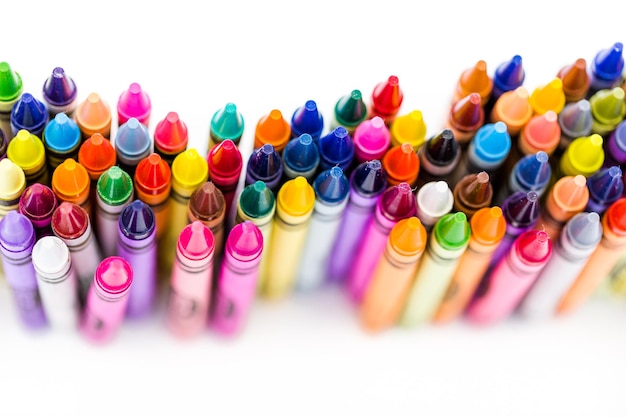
{"points": [[93, 115], [548, 97], [474, 80], [575, 80], [70, 182], [514, 109], [401, 165], [567, 197], [272, 128]]}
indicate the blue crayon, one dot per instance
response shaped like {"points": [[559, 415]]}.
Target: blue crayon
{"points": [[30, 114], [61, 139], [531, 173], [60, 93], [307, 119], [605, 187], [508, 76], [132, 144], [606, 69], [336, 149], [301, 157], [266, 165]]}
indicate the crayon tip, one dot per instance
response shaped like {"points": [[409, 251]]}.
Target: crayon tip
{"points": [[533, 172], [227, 123], [409, 128], [616, 146], [171, 135], [369, 178], [265, 163], [336, 148], [114, 186], [351, 110], [10, 83], [93, 113], [442, 149], [38, 202], [521, 209], [196, 241], [548, 97], [137, 220], [273, 129], [467, 114], [606, 185], [476, 79], [301, 154], [26, 150], [401, 164], [16, 232], [371, 139], [69, 220], [13, 180], [608, 64], [488, 225], [307, 119], [513, 108], [59, 89], [576, 119], [50, 254], [30, 114], [207, 203], [132, 139], [452, 231], [575, 80], [257, 200], [134, 102], [296, 197], [509, 75], [478, 191], [534, 246], [584, 229], [408, 237], [153, 175], [331, 186], [97, 155], [387, 98], [115, 274], [398, 202], [189, 170], [608, 106], [433, 199], [224, 159], [616, 217], [541, 133], [584, 156], [61, 134], [492, 143], [245, 241], [571, 192]]}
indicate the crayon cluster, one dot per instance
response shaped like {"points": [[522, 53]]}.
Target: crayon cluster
{"points": [[516, 205]]}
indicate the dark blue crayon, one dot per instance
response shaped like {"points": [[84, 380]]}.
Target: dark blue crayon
{"points": [[439, 157], [265, 164], [605, 187], [60, 93], [605, 71], [336, 149], [132, 144], [530, 173], [307, 119], [61, 139], [4, 144], [508, 76], [615, 152], [301, 157], [30, 114], [575, 121]]}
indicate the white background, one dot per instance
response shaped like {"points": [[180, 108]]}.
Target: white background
{"points": [[307, 355]]}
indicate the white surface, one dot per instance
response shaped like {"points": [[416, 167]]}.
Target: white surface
{"points": [[307, 355]]}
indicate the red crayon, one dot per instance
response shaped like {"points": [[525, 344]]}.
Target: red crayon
{"points": [[225, 165], [386, 99], [170, 137], [401, 165], [153, 182]]}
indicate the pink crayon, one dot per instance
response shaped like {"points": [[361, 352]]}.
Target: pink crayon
{"points": [[134, 102], [371, 140]]}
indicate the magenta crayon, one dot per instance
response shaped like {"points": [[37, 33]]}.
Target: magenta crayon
{"points": [[30, 114], [225, 165], [60, 93], [237, 279], [27, 151], [466, 117], [433, 201], [608, 109], [265, 164], [307, 119], [12, 186], [512, 278], [371, 140], [575, 79], [386, 99], [137, 244], [113, 192], [17, 239], [350, 111], [367, 182], [132, 144], [106, 303], [226, 123], [37, 203], [395, 204], [189, 299], [134, 102], [4, 144], [575, 121], [11, 89], [438, 157], [336, 149], [70, 223], [605, 187], [605, 70], [301, 157], [170, 137], [61, 139], [57, 282], [615, 152]]}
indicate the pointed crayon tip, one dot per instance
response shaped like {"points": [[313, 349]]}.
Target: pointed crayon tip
{"points": [[509, 75], [398, 202], [575, 80], [61, 134], [616, 217], [442, 149], [257, 200], [584, 229], [189, 171], [264, 164], [571, 192], [616, 146], [608, 64], [332, 186], [369, 178], [134, 102], [434, 199], [196, 241], [296, 197], [38, 202], [30, 114], [97, 155], [301, 155], [272, 128], [492, 143], [93, 115], [477, 190], [584, 156], [137, 220], [452, 231], [351, 110], [488, 225], [608, 107], [548, 97], [225, 159], [401, 164], [16, 232], [408, 237], [467, 114], [606, 185], [307, 119], [475, 79], [69, 220], [408, 128], [114, 186], [153, 176], [59, 90], [533, 171], [26, 150], [576, 119], [10, 83], [387, 98], [533, 246], [336, 148], [371, 139], [227, 123], [521, 209], [171, 135], [541, 133], [245, 241], [514, 109], [13, 180], [207, 203]]}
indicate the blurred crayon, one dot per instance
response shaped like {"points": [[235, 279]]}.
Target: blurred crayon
{"points": [[438, 157], [336, 149], [114, 191], [474, 80], [466, 117], [605, 187], [12, 186], [371, 140], [272, 129], [132, 144], [37, 203], [27, 151], [30, 114], [508, 76], [301, 157], [307, 119], [583, 156], [152, 183], [207, 206], [225, 164], [401, 165], [60, 93], [409, 128], [530, 173], [547, 97], [170, 137], [350, 111], [226, 123], [433, 201], [472, 193], [606, 68], [4, 144], [541, 133], [265, 164], [608, 109], [134, 102], [386, 99], [61, 139], [11, 89], [575, 121], [93, 115], [615, 152], [575, 80], [514, 109]]}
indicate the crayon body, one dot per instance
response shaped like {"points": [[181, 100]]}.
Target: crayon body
{"points": [[401, 164], [336, 148], [575, 80], [93, 115], [226, 123], [206, 205], [114, 192], [225, 164], [350, 111], [474, 80], [508, 76], [513, 109], [438, 157], [548, 97], [472, 193], [273, 129], [61, 139], [153, 183], [301, 157], [541, 133], [189, 298], [57, 282], [265, 164], [29, 114], [237, 280], [583, 156], [386, 99], [37, 203], [466, 117], [608, 109], [616, 147], [530, 173], [605, 70], [60, 93], [107, 300], [605, 187], [97, 155], [70, 182], [445, 247], [11, 89], [307, 119], [171, 137], [12, 186], [371, 140], [567, 197], [27, 151], [409, 128], [134, 102], [132, 144], [433, 200]]}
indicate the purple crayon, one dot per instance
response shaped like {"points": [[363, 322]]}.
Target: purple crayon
{"points": [[17, 239], [59, 93], [605, 187], [137, 244], [615, 153], [266, 165]]}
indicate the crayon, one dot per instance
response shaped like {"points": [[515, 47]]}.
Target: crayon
{"points": [[301, 157], [273, 129], [137, 244], [30, 114], [401, 164], [37, 203], [57, 282], [265, 164], [488, 227], [615, 152], [395, 204], [508, 76], [438, 157], [601, 261], [336, 149], [206, 205], [70, 222], [153, 183], [27, 151], [466, 116], [409, 128], [584, 156], [578, 240], [114, 191], [530, 173], [605, 187], [608, 109], [567, 197], [11, 89], [17, 239], [70, 182], [434, 200], [392, 277], [4, 144], [367, 182], [132, 144], [541, 133], [97, 155], [189, 298], [134, 102], [511, 279], [189, 172], [106, 303], [61, 140], [606, 68], [331, 197], [307, 119], [226, 123], [294, 207], [445, 247], [474, 80], [170, 137], [575, 121], [514, 109], [575, 80], [93, 115], [548, 97], [12, 186], [472, 193], [386, 99], [237, 279], [349, 111], [371, 140], [257, 203], [60, 93], [224, 169]]}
